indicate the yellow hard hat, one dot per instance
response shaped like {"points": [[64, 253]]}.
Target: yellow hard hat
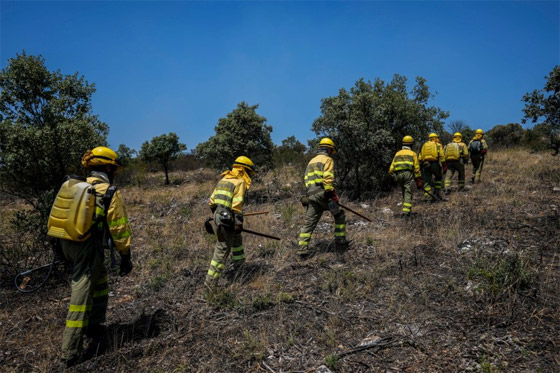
{"points": [[479, 132], [407, 140], [246, 163], [327, 143], [433, 135], [101, 156], [457, 134]]}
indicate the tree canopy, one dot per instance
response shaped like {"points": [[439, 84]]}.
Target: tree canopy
{"points": [[241, 132], [162, 149], [367, 124], [545, 103], [46, 125]]}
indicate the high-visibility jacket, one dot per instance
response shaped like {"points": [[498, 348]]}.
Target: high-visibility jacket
{"points": [[230, 191], [116, 217], [432, 151], [456, 150], [319, 174], [405, 160]]}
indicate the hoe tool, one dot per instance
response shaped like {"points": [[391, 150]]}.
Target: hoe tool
{"points": [[354, 212]]}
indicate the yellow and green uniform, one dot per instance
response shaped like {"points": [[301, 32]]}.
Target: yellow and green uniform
{"points": [[319, 179], [88, 302], [228, 196], [431, 157], [477, 159], [456, 155], [405, 168]]}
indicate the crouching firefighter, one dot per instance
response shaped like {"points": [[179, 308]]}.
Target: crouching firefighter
{"points": [[321, 196], [97, 202], [226, 203]]}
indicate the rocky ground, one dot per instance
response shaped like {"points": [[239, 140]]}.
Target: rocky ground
{"points": [[471, 284]]}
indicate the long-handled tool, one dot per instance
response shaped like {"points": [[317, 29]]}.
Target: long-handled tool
{"points": [[354, 212], [255, 213], [210, 230], [432, 195]]}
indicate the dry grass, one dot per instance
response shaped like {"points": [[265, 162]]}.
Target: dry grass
{"points": [[470, 284]]}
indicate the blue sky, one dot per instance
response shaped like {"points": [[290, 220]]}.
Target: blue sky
{"points": [[179, 66]]}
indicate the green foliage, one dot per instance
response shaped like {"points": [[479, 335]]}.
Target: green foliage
{"points": [[540, 137], [162, 149], [507, 135], [241, 132], [332, 361], [367, 124], [46, 125], [291, 152], [546, 102]]}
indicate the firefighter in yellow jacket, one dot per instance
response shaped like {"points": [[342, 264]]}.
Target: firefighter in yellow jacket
{"points": [[226, 202], [321, 196], [405, 169], [456, 157], [432, 160], [477, 150], [88, 302]]}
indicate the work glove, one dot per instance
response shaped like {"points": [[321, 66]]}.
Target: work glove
{"points": [[444, 164], [483, 152], [304, 201], [238, 228], [126, 265], [425, 164], [419, 182], [331, 194]]}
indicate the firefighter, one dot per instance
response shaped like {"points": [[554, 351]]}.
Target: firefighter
{"points": [[321, 196], [477, 150], [226, 203], [405, 169], [433, 163], [456, 157], [88, 302]]}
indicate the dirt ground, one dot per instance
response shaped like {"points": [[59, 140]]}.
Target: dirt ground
{"points": [[470, 284]]}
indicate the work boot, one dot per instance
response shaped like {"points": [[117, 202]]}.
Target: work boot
{"points": [[341, 245], [68, 363], [303, 253]]}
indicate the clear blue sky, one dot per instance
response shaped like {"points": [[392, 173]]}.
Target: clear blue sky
{"points": [[179, 66]]}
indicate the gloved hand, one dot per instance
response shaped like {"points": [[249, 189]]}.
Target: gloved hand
{"points": [[331, 194], [238, 228], [126, 265], [419, 182], [484, 151], [444, 164], [425, 164], [304, 201]]}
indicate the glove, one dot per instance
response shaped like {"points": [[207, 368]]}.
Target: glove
{"points": [[483, 152], [419, 182], [304, 201], [444, 164], [238, 228], [425, 164], [126, 265], [331, 194]]}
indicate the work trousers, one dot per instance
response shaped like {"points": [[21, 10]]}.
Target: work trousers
{"points": [[452, 167], [431, 173], [227, 242], [318, 203], [477, 163], [405, 179], [90, 292]]}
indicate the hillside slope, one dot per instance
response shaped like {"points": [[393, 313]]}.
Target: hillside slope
{"points": [[469, 284]]}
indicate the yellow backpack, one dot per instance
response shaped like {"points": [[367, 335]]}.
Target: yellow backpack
{"points": [[452, 152], [71, 216], [430, 151]]}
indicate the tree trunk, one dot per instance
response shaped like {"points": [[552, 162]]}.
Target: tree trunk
{"points": [[166, 174]]}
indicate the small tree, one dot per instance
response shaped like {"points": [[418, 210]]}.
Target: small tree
{"points": [[290, 152], [545, 103], [462, 127], [162, 149], [241, 132], [506, 135], [367, 124], [46, 125]]}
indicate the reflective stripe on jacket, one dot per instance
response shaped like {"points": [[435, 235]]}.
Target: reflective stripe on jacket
{"points": [[319, 174], [230, 193], [116, 217], [405, 160]]}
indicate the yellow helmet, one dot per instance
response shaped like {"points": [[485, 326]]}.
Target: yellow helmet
{"points": [[246, 163], [407, 140], [101, 156], [433, 135], [458, 135], [479, 132], [327, 143]]}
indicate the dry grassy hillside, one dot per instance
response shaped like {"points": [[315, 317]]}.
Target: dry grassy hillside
{"points": [[472, 284]]}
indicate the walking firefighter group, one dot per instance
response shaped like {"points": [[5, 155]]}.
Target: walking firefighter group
{"points": [[110, 227]]}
